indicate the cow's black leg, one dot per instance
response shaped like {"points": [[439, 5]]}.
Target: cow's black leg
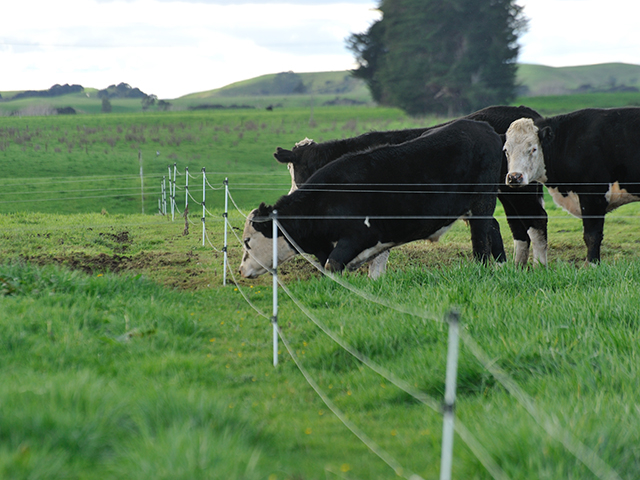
{"points": [[518, 228], [593, 228], [593, 211], [497, 246], [481, 238], [527, 220], [346, 250], [481, 224]]}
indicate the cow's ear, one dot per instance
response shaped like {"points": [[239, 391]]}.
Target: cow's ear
{"points": [[263, 226], [546, 135], [263, 210], [284, 156]]}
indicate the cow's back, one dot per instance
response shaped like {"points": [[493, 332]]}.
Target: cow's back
{"points": [[592, 145], [464, 156]]}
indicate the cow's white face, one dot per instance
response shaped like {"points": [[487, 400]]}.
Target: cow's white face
{"points": [[257, 256], [294, 185], [524, 154]]}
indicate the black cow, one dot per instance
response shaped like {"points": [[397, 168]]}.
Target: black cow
{"points": [[525, 210], [365, 203], [588, 159]]}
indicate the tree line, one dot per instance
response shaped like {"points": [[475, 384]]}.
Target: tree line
{"points": [[441, 56]]}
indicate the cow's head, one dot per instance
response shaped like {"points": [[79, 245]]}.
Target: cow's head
{"points": [[523, 149], [257, 255], [294, 160]]}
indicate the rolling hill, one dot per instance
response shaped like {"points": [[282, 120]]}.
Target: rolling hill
{"points": [[289, 89]]}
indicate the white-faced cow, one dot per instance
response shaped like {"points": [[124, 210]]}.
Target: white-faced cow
{"points": [[365, 203], [589, 160], [524, 211]]}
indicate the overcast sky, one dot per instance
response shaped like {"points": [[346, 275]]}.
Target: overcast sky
{"points": [[172, 48]]}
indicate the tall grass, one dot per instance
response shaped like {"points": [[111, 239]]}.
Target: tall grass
{"points": [[118, 375], [124, 358]]}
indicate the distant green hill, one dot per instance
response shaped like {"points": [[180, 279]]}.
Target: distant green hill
{"points": [[290, 90], [534, 80], [540, 80], [288, 83]]}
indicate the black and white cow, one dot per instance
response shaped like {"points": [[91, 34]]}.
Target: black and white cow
{"points": [[365, 203], [525, 211], [589, 160]]}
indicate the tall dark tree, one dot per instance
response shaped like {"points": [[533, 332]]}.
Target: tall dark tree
{"points": [[441, 56]]}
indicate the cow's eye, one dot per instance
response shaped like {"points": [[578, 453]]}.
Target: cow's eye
{"points": [[246, 244]]}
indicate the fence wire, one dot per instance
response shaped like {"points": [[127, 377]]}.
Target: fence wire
{"points": [[474, 445], [577, 448]]}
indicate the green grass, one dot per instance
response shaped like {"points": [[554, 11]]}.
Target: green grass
{"points": [[88, 163], [167, 383], [124, 357]]}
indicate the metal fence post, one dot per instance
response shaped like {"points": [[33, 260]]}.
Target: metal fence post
{"points": [[173, 196], [204, 180], [453, 318], [186, 188], [274, 318], [226, 221]]}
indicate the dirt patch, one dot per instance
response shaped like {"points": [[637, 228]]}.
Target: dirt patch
{"points": [[120, 237], [177, 270]]}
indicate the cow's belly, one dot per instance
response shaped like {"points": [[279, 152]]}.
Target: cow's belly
{"points": [[369, 253], [616, 197], [570, 202], [436, 236]]}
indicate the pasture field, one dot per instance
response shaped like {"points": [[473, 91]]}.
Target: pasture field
{"points": [[157, 371], [87, 163], [124, 356]]}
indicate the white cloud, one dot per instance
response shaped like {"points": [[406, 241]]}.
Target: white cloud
{"points": [[172, 48], [580, 32]]}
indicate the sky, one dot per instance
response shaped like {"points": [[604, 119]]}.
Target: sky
{"points": [[171, 48]]}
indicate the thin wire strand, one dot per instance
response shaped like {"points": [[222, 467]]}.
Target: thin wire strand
{"points": [[211, 186], [206, 234], [361, 293], [363, 437], [474, 445], [246, 298], [236, 205], [587, 456], [583, 453]]}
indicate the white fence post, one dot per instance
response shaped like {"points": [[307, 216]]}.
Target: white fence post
{"points": [[186, 189], [141, 180], [173, 197], [226, 221], [453, 318], [274, 318], [204, 194], [164, 195]]}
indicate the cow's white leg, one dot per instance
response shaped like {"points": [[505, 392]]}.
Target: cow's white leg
{"points": [[520, 252], [378, 265], [539, 242]]}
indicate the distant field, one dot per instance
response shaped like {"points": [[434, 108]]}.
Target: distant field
{"points": [[87, 163]]}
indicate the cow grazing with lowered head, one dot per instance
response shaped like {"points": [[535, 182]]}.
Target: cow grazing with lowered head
{"points": [[365, 203], [588, 159], [524, 211]]}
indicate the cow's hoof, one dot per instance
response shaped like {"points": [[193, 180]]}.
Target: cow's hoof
{"points": [[332, 266]]}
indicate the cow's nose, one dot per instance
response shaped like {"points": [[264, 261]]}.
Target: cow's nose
{"points": [[514, 178]]}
